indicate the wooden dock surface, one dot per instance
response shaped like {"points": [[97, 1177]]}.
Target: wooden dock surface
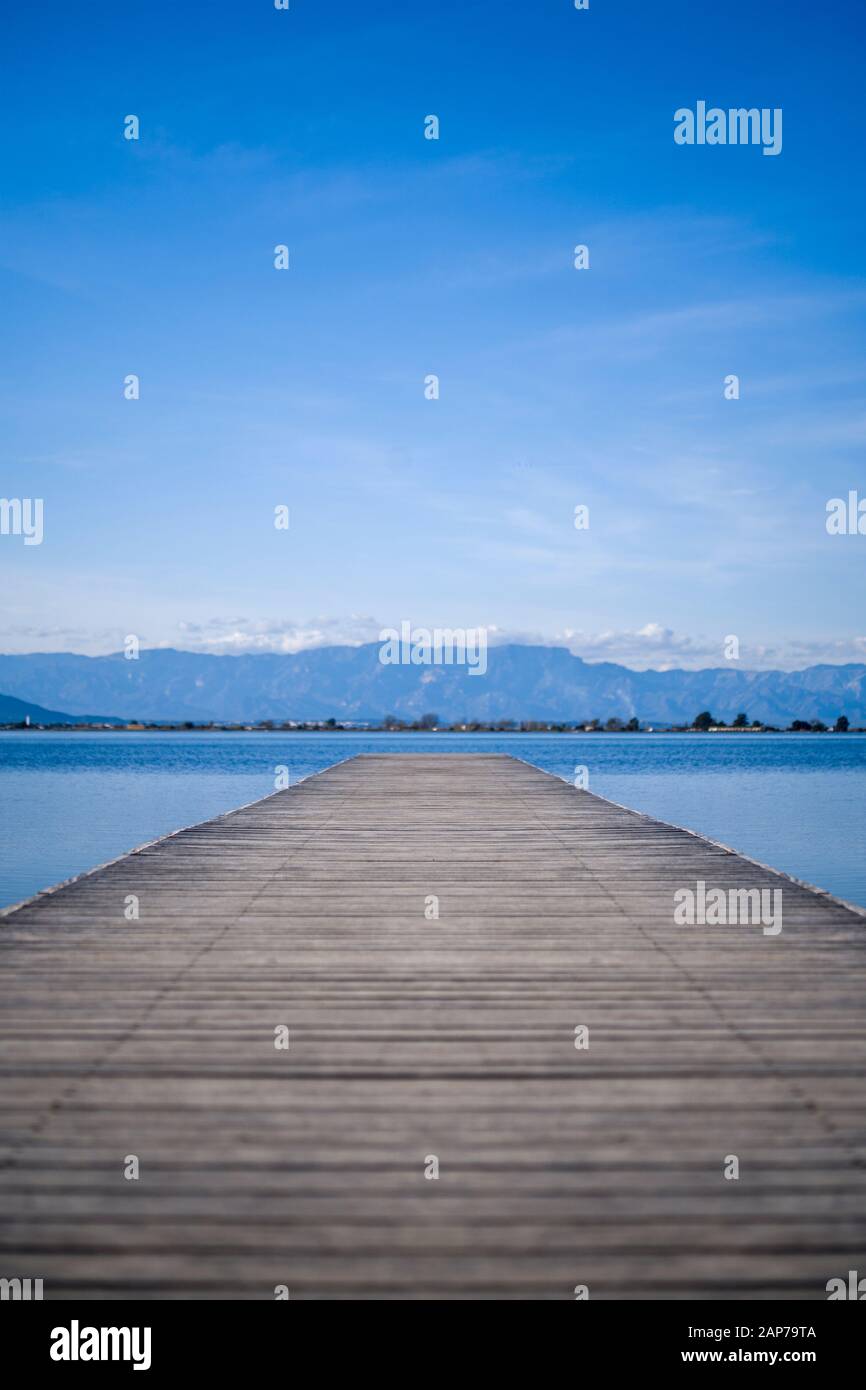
{"points": [[412, 1037]]}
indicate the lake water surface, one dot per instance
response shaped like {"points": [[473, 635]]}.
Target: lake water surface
{"points": [[69, 801]]}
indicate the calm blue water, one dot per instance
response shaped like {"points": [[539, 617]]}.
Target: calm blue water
{"points": [[69, 801]]}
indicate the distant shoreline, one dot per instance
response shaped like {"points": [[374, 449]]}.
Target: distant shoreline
{"points": [[529, 727]]}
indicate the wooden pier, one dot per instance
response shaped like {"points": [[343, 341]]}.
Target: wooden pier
{"points": [[413, 1036]]}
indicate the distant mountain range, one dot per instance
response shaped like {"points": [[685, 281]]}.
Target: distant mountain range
{"points": [[14, 711], [522, 682]]}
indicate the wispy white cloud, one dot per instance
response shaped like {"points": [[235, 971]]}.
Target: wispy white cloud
{"points": [[652, 646], [235, 635], [657, 647]]}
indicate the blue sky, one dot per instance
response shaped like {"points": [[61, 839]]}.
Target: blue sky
{"points": [[408, 257]]}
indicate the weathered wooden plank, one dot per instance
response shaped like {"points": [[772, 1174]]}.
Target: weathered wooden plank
{"points": [[411, 1035]]}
